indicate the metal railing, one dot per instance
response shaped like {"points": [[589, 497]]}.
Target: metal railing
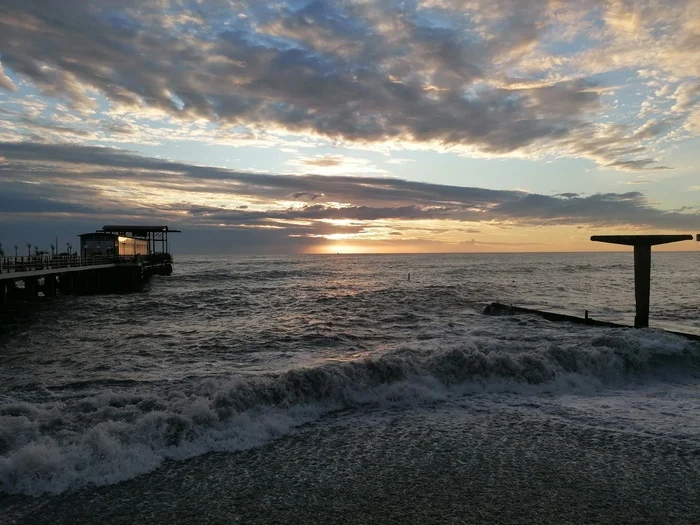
{"points": [[49, 262]]}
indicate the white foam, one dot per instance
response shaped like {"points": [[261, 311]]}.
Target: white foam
{"points": [[69, 441], [113, 451]]}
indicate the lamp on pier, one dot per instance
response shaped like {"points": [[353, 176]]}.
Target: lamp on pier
{"points": [[16, 250], [29, 249], [68, 248], [53, 247]]}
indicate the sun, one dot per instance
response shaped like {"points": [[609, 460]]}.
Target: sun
{"points": [[342, 248]]}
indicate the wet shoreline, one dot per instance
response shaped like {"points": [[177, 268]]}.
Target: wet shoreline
{"points": [[465, 462]]}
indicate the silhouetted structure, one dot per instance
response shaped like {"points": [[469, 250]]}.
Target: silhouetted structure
{"points": [[642, 266], [115, 259]]}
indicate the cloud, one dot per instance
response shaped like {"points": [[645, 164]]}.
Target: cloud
{"points": [[474, 242], [307, 195], [5, 82], [687, 100], [657, 37], [323, 161], [89, 181], [335, 165], [426, 74], [653, 128], [637, 181], [636, 165]]}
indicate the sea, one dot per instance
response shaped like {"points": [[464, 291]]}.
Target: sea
{"points": [[357, 389]]}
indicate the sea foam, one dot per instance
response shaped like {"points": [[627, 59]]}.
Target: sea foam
{"points": [[67, 440]]}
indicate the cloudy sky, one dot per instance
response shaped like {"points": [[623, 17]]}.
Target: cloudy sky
{"points": [[357, 125]]}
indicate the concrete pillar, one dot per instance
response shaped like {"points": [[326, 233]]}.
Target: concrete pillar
{"points": [[642, 284]]}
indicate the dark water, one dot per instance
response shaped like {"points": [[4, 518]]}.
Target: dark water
{"points": [[333, 389]]}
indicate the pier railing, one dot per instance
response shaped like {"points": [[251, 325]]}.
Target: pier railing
{"points": [[49, 262]]}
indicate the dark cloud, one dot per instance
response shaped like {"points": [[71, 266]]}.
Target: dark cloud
{"points": [[21, 204], [307, 195], [73, 181], [363, 72], [567, 195]]}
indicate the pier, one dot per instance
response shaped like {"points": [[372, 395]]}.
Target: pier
{"points": [[115, 259]]}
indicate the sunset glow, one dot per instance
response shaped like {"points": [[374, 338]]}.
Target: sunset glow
{"points": [[343, 248]]}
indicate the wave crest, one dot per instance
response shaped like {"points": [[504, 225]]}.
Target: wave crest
{"points": [[73, 439]]}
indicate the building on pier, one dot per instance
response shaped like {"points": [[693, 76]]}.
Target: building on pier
{"points": [[111, 244], [126, 240]]}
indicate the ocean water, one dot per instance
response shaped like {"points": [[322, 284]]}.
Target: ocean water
{"points": [[334, 389]]}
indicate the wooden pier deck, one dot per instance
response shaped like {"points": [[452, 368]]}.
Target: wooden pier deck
{"points": [[27, 278], [20, 270]]}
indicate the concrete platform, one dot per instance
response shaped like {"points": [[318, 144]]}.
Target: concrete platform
{"points": [[561, 315]]}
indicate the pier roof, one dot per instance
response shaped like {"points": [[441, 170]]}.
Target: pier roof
{"points": [[137, 228]]}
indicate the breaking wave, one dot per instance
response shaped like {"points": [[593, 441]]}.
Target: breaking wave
{"points": [[58, 441]]}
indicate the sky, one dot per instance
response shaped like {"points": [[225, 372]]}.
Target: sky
{"points": [[351, 126]]}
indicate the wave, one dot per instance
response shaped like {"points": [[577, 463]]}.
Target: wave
{"points": [[71, 440], [256, 273]]}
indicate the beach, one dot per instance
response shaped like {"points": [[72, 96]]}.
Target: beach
{"points": [[499, 464]]}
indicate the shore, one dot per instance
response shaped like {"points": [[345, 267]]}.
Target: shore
{"points": [[472, 461]]}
